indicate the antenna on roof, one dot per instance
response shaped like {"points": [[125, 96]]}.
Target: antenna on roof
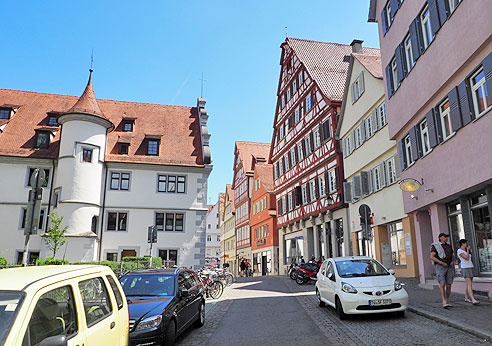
{"points": [[201, 88], [286, 33], [92, 58]]}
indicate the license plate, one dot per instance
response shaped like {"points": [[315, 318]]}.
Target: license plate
{"points": [[376, 302]]}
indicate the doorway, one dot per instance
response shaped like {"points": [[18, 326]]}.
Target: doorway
{"points": [[264, 265], [128, 253]]}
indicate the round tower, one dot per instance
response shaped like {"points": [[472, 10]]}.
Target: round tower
{"points": [[79, 182]]}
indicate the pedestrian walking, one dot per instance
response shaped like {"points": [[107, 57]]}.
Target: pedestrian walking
{"points": [[443, 259], [466, 265], [242, 266]]}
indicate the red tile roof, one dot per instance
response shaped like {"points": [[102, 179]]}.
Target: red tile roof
{"points": [[265, 172], [87, 103], [230, 192], [252, 150], [221, 202], [180, 143], [326, 63], [372, 63]]}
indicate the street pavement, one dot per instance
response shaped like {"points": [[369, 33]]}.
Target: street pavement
{"points": [[277, 311]]}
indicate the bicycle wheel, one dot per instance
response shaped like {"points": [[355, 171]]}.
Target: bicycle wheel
{"points": [[229, 278], [216, 289]]}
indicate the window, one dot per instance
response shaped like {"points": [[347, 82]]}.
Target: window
{"points": [[112, 256], [369, 127], [5, 113], [97, 305], [120, 181], [94, 224], [322, 186], [161, 183], [388, 13], [288, 94], [297, 115], [41, 218], [382, 114], [286, 162], [181, 184], [169, 257], [358, 88], [153, 147], [377, 178], [117, 221], [281, 131], [174, 221], [289, 202], [444, 113], [283, 100], [275, 172], [42, 139], [426, 27], [332, 181], [358, 137], [307, 145], [294, 85], [284, 204], [424, 137], [123, 148], [52, 120], [86, 155], [391, 170], [209, 238], [301, 78], [316, 138], [480, 93], [304, 194], [116, 291], [312, 190], [128, 126], [44, 324], [293, 157], [280, 167], [409, 53], [308, 103], [300, 154], [394, 74], [171, 183], [453, 4], [46, 176], [397, 244], [408, 150]]}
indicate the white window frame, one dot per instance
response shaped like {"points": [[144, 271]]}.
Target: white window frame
{"points": [[391, 170], [480, 85], [408, 150], [453, 4], [307, 145], [377, 178], [286, 162], [312, 191], [409, 53], [288, 95], [293, 157], [424, 137], [322, 185], [445, 118], [300, 154], [381, 113], [426, 26], [388, 14], [289, 202], [283, 100], [369, 127], [308, 103], [281, 131], [332, 184], [358, 137], [394, 73], [304, 194], [297, 115], [301, 78], [316, 138]]}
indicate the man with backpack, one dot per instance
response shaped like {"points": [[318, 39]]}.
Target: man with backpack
{"points": [[443, 259]]}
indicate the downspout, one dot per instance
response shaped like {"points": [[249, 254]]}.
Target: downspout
{"points": [[103, 207], [51, 193]]}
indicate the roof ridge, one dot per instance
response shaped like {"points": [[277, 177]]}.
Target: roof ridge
{"points": [[334, 43]]}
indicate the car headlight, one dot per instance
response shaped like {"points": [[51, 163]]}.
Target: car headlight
{"points": [[398, 285], [348, 288], [149, 322]]}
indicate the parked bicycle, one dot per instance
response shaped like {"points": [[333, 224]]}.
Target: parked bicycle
{"points": [[213, 287]]}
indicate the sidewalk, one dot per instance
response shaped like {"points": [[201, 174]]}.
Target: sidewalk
{"points": [[464, 316]]}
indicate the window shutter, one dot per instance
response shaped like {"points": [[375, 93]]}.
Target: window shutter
{"points": [[356, 181], [413, 142], [431, 128], [415, 39], [374, 117], [420, 35], [297, 196], [384, 175], [383, 21], [308, 191], [389, 80], [316, 188], [418, 137], [403, 60], [443, 7], [363, 127], [487, 70], [327, 183], [364, 175], [353, 93], [303, 147], [291, 121], [394, 5], [337, 177], [352, 140], [361, 82], [399, 65], [403, 159], [397, 166], [465, 105], [378, 119], [347, 192], [454, 109], [371, 184], [296, 153], [312, 141], [344, 148], [434, 16]]}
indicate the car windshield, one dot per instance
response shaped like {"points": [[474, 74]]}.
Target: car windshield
{"points": [[10, 302], [155, 284], [360, 267]]}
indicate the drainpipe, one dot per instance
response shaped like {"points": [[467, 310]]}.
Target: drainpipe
{"points": [[103, 207]]}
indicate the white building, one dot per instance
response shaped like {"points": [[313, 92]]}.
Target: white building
{"points": [[212, 248], [113, 169]]}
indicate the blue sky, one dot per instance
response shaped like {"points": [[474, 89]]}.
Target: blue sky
{"points": [[156, 51]]}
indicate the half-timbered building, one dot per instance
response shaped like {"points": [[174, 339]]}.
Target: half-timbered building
{"points": [[307, 160]]}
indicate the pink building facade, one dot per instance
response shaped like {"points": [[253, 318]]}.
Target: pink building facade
{"points": [[437, 66]]}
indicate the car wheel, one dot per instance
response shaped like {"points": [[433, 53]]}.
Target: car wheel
{"points": [[170, 336], [320, 302], [341, 314], [201, 316]]}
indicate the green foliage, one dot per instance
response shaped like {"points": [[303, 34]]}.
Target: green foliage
{"points": [[3, 261], [156, 261], [50, 261], [55, 237]]}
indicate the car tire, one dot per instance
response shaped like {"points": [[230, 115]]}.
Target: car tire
{"points": [[320, 302], [170, 335], [341, 314], [201, 316]]}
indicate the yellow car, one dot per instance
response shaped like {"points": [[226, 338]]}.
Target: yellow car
{"points": [[74, 305]]}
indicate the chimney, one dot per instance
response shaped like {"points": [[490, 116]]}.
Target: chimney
{"points": [[356, 46]]}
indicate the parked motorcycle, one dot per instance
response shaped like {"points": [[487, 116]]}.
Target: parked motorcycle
{"points": [[307, 272], [293, 271]]}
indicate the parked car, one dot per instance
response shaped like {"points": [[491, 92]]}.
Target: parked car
{"points": [[162, 304], [359, 285], [62, 305]]}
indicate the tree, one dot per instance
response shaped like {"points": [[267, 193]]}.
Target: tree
{"points": [[55, 237]]}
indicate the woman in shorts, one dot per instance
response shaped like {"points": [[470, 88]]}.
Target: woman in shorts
{"points": [[466, 266]]}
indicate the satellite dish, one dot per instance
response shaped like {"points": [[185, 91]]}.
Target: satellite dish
{"points": [[410, 185]]}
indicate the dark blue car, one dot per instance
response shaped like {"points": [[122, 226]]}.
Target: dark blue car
{"points": [[162, 304]]}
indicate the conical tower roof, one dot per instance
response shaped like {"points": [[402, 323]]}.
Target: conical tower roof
{"points": [[87, 103]]}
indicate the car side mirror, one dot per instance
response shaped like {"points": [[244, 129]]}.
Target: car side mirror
{"points": [[391, 271], [184, 292], [57, 340]]}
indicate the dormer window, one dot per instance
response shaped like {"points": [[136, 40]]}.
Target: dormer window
{"points": [[52, 120], [42, 139], [5, 113], [123, 148], [153, 147], [127, 126]]}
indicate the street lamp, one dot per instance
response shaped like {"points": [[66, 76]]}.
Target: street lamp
{"points": [[329, 200]]}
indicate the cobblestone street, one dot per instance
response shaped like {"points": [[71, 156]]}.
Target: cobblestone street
{"points": [[277, 311]]}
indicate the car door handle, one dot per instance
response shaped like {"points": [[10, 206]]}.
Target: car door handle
{"points": [[112, 325]]}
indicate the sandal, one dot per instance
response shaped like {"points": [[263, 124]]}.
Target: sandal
{"points": [[468, 300], [476, 302], [445, 306]]}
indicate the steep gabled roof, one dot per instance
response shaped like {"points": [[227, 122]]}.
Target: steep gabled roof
{"points": [[248, 151], [221, 202], [87, 103], [372, 64], [326, 63], [230, 192], [265, 172]]}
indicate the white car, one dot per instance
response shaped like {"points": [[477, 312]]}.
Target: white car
{"points": [[359, 285]]}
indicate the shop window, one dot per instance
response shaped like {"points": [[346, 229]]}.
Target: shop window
{"points": [[397, 244]]}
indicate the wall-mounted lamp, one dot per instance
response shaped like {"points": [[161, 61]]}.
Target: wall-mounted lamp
{"points": [[410, 184], [412, 196], [329, 200]]}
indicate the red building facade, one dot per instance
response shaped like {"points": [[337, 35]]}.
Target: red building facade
{"points": [[307, 160]]}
